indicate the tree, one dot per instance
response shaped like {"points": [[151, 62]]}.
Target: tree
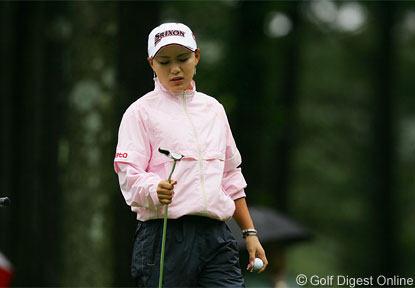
{"points": [[134, 80], [87, 148], [383, 193], [30, 132]]}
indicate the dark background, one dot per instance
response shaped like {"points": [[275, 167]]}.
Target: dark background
{"points": [[319, 95]]}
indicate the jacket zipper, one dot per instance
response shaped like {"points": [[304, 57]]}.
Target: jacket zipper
{"points": [[202, 175]]}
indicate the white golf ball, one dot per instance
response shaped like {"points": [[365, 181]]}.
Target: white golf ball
{"points": [[258, 264]]}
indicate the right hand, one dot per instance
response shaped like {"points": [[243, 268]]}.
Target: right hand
{"points": [[165, 191]]}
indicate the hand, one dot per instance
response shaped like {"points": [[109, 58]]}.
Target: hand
{"points": [[255, 250], [165, 191]]}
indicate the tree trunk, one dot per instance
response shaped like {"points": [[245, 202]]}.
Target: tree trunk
{"points": [[25, 136], [285, 139], [7, 10], [246, 83], [29, 135], [135, 78], [87, 149], [383, 200]]}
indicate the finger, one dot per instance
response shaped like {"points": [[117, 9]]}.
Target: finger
{"points": [[173, 182], [170, 186], [165, 201], [166, 185], [265, 261], [165, 192], [164, 197], [251, 261]]}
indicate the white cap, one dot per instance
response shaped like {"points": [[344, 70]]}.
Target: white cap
{"points": [[170, 34]]}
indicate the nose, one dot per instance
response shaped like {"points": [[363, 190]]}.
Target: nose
{"points": [[175, 68]]}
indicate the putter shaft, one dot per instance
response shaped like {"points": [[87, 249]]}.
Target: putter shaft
{"points": [[163, 242]]}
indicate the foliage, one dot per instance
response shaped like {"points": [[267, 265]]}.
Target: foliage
{"points": [[319, 95]]}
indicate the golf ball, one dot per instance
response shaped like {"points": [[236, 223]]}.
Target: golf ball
{"points": [[258, 264]]}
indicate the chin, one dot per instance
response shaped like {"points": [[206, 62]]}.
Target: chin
{"points": [[178, 89]]}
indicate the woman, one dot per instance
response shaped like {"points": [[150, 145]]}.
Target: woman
{"points": [[208, 188]]}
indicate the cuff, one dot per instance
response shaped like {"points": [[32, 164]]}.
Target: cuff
{"points": [[153, 195], [239, 194]]}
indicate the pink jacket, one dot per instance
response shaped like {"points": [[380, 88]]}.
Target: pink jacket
{"points": [[192, 124]]}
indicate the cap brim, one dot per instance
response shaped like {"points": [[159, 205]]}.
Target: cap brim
{"points": [[170, 44]]}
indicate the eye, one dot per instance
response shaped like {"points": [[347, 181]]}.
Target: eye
{"points": [[164, 63], [183, 59]]}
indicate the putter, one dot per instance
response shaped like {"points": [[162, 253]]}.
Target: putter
{"points": [[176, 157]]}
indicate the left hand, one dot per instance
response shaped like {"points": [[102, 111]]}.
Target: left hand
{"points": [[255, 250]]}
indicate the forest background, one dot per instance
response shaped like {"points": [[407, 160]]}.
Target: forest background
{"points": [[319, 95]]}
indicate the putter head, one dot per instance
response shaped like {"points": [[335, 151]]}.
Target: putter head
{"points": [[171, 154]]}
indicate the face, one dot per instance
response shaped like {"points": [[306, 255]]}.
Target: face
{"points": [[174, 66]]}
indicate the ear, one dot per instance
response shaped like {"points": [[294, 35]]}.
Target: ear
{"points": [[197, 56], [150, 61]]}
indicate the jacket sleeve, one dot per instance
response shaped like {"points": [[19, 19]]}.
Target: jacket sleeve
{"points": [[233, 182], [133, 154]]}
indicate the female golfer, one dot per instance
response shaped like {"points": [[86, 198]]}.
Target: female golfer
{"points": [[208, 186]]}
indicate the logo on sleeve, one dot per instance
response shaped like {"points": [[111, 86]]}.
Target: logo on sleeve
{"points": [[121, 155]]}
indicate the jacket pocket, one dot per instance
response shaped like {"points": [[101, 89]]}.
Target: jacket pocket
{"points": [[137, 229], [147, 247], [213, 155]]}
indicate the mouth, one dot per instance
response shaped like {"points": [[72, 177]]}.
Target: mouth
{"points": [[177, 80]]}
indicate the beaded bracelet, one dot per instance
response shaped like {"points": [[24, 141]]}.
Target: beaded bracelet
{"points": [[249, 232]]}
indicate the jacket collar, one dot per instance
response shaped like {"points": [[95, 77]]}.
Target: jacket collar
{"points": [[189, 93]]}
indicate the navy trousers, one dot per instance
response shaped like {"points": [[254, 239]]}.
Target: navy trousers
{"points": [[200, 252]]}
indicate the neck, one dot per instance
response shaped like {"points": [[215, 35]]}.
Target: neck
{"points": [[191, 87]]}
